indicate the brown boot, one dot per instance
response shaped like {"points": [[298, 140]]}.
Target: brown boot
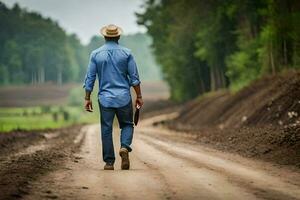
{"points": [[125, 158], [108, 166]]}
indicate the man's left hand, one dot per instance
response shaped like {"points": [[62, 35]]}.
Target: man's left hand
{"points": [[88, 105], [139, 103]]}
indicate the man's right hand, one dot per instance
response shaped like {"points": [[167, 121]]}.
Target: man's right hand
{"points": [[88, 105], [139, 103]]}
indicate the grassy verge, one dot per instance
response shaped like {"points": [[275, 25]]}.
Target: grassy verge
{"points": [[44, 117]]}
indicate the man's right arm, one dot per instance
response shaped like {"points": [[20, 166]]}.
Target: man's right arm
{"points": [[89, 83]]}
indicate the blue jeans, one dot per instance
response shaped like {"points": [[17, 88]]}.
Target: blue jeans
{"points": [[124, 115]]}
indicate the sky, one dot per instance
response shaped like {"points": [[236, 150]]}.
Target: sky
{"points": [[86, 17]]}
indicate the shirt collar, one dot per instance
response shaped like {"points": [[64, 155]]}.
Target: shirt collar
{"points": [[111, 43]]}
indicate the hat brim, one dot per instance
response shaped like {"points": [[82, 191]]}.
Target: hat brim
{"points": [[103, 32]]}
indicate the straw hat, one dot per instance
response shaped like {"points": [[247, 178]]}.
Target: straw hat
{"points": [[111, 30]]}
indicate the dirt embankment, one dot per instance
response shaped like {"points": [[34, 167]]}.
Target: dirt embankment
{"points": [[262, 120]]}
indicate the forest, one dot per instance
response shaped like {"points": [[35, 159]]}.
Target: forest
{"points": [[205, 45], [199, 45], [36, 50]]}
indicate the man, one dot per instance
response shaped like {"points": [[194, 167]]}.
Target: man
{"points": [[117, 72]]}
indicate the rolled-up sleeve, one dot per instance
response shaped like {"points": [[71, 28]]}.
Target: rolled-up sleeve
{"points": [[133, 73], [90, 76]]}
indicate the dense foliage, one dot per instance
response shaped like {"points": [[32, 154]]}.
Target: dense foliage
{"points": [[207, 45], [35, 50]]}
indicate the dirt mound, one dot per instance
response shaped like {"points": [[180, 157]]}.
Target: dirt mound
{"points": [[261, 120]]}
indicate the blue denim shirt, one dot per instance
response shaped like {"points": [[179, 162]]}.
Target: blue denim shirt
{"points": [[117, 72]]}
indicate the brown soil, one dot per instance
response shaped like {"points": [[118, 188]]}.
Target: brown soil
{"points": [[22, 96], [162, 168], [27, 156], [262, 120], [67, 164]]}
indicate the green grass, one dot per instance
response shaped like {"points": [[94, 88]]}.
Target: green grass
{"points": [[30, 118]]}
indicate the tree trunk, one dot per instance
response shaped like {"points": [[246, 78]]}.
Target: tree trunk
{"points": [[222, 79], [219, 78], [39, 76], [42, 75], [285, 57], [33, 78], [201, 88], [59, 77], [212, 79], [272, 59]]}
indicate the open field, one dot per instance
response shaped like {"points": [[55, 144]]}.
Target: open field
{"points": [[24, 96], [51, 94], [53, 106], [42, 107]]}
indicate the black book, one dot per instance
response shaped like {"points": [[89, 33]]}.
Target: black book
{"points": [[136, 116]]}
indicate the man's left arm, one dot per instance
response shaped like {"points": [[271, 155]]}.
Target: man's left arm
{"points": [[135, 81], [89, 83]]}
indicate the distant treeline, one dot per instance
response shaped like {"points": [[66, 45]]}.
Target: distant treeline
{"points": [[206, 45], [34, 50]]}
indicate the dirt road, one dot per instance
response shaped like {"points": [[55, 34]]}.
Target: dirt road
{"points": [[164, 165]]}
